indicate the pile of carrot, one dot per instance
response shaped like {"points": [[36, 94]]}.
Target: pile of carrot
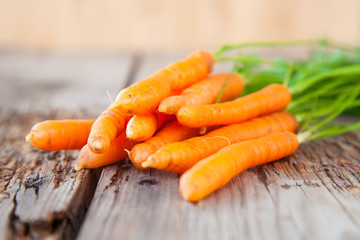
{"points": [[186, 120]]}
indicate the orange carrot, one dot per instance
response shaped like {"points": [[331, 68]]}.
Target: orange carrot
{"points": [[172, 132], [204, 92], [106, 128], [144, 96], [54, 135], [215, 171], [180, 156], [273, 98], [142, 127], [115, 153]]}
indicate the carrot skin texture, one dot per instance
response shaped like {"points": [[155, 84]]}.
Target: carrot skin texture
{"points": [[215, 171], [142, 127], [55, 135], [273, 98], [204, 92], [115, 153], [144, 96], [178, 157], [106, 128], [172, 132]]}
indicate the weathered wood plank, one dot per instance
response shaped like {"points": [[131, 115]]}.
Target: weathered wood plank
{"points": [[40, 193], [61, 81], [305, 196]]}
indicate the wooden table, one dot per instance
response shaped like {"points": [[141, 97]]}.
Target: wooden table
{"points": [[314, 194]]}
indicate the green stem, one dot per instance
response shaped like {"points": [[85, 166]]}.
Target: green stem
{"points": [[246, 60], [311, 42], [355, 104], [324, 91], [333, 131], [342, 71], [288, 74], [225, 84], [343, 102], [322, 87], [316, 42]]}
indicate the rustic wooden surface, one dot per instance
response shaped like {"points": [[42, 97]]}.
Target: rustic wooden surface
{"points": [[314, 194], [40, 193]]}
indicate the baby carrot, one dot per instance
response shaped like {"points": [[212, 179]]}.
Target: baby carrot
{"points": [[144, 96], [179, 156], [142, 127], [172, 132], [215, 171], [106, 128], [273, 98], [115, 153], [204, 92], [54, 135]]}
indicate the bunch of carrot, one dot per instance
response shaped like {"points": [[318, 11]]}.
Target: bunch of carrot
{"points": [[183, 120]]}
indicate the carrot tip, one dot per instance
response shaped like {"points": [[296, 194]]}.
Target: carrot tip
{"points": [[97, 146], [202, 130], [78, 166], [127, 151], [165, 109], [161, 108], [131, 133], [146, 164], [28, 137], [150, 162]]}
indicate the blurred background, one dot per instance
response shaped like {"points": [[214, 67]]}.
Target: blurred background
{"points": [[172, 25], [51, 49]]}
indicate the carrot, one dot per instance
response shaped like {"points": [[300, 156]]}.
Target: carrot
{"points": [[106, 128], [273, 98], [115, 153], [144, 96], [54, 135], [172, 132], [215, 171], [142, 127], [204, 92], [179, 156]]}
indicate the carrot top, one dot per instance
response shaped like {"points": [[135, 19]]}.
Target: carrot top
{"points": [[322, 87], [145, 95]]}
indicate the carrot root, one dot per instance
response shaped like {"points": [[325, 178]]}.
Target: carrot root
{"points": [[215, 171], [144, 96], [106, 128], [29, 137], [55, 135], [273, 98], [204, 92], [172, 132], [117, 151], [143, 127], [177, 157]]}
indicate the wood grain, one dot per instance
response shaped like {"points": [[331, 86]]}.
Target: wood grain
{"points": [[74, 82], [313, 194], [41, 195]]}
